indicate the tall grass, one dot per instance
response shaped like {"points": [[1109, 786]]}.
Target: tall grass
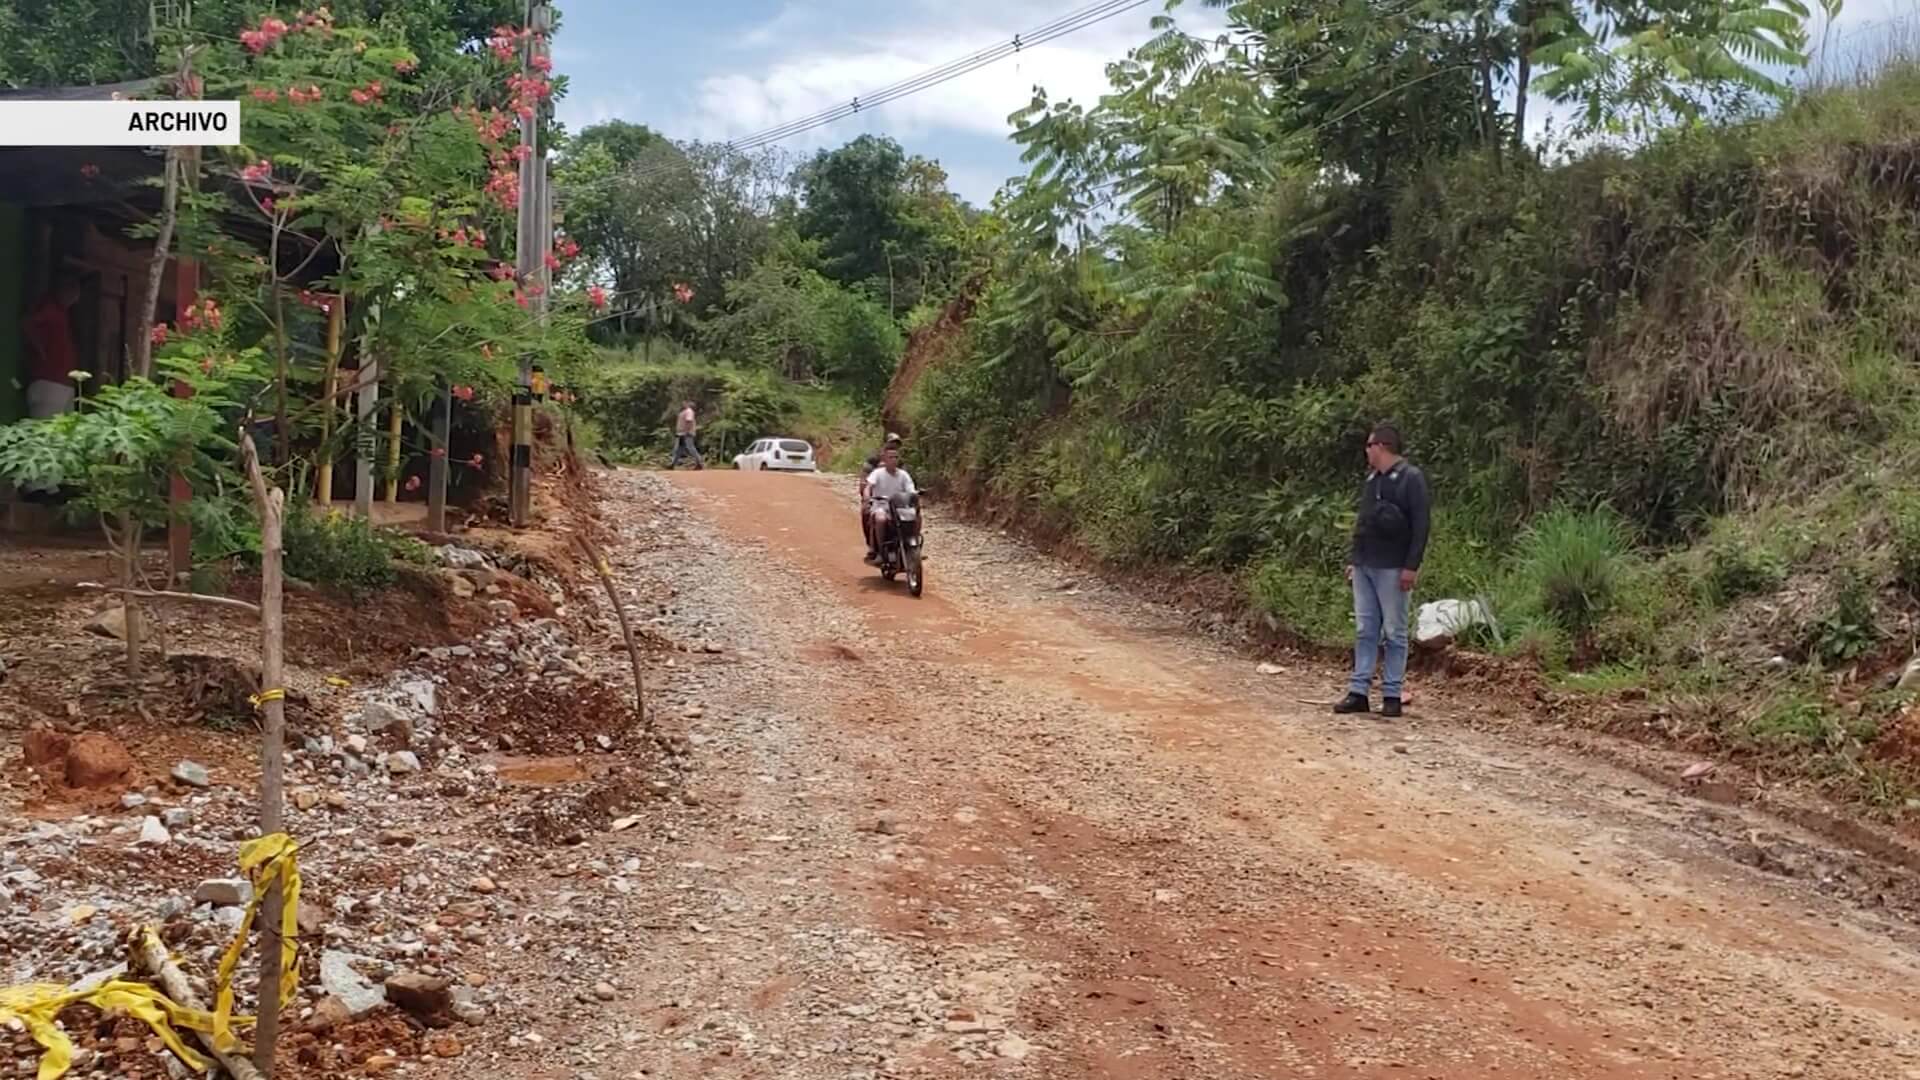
{"points": [[1572, 565]]}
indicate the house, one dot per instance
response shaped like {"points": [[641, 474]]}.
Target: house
{"points": [[71, 209]]}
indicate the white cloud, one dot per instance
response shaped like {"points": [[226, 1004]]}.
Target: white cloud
{"points": [[827, 62]]}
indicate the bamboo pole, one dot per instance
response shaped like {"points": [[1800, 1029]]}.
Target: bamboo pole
{"points": [[272, 747], [437, 462], [394, 420], [150, 957], [336, 324]]}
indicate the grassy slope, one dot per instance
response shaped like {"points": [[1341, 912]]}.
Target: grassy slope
{"points": [[1728, 326]]}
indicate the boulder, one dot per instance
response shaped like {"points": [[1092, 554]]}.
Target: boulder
{"points": [[98, 761], [46, 752], [424, 997]]}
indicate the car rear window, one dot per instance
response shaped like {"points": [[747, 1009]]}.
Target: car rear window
{"points": [[794, 446]]}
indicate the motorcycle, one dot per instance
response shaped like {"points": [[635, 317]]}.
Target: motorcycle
{"points": [[900, 545]]}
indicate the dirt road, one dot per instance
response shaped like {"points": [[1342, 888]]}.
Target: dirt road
{"points": [[1033, 827]]}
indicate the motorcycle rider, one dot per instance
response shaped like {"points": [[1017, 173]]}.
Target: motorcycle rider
{"points": [[873, 463], [881, 486]]}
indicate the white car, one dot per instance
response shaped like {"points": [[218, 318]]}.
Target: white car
{"points": [[792, 455]]}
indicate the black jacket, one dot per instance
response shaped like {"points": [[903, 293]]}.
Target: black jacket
{"points": [[1390, 532]]}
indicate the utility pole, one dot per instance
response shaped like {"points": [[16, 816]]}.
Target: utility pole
{"points": [[530, 249]]}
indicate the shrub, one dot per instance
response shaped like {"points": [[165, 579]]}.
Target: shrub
{"points": [[632, 404], [1571, 564], [1847, 631], [1906, 543], [345, 553], [1739, 568], [1314, 603]]}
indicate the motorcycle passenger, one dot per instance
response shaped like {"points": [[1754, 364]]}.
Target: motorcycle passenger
{"points": [[881, 486], [873, 463]]}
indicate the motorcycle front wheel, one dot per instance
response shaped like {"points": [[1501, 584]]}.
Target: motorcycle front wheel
{"points": [[916, 576]]}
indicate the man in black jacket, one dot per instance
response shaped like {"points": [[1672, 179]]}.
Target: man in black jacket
{"points": [[1389, 542]]}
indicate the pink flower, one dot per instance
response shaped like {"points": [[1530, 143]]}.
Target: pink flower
{"points": [[266, 204], [265, 93], [413, 483], [682, 292], [520, 298], [463, 392], [552, 261], [570, 249], [404, 67], [257, 172], [159, 336], [596, 296]]}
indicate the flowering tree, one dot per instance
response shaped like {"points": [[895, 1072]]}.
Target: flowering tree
{"points": [[405, 177], [118, 448]]}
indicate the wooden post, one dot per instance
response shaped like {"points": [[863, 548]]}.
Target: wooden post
{"points": [[394, 428], [130, 527], [437, 465], [330, 405], [272, 747]]}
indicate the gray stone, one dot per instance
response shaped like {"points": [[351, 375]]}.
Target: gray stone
{"points": [[152, 833], [422, 695], [356, 745], [460, 558], [379, 716], [403, 762], [338, 978], [192, 774], [178, 817], [133, 800], [111, 623], [97, 979], [224, 892]]}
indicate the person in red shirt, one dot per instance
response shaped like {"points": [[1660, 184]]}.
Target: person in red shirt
{"points": [[50, 354]]}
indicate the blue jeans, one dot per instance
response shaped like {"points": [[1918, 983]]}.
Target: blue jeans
{"points": [[683, 449], [1379, 614]]}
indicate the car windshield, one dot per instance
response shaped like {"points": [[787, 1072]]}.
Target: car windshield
{"points": [[794, 446]]}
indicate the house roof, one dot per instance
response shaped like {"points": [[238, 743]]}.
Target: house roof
{"points": [[100, 92]]}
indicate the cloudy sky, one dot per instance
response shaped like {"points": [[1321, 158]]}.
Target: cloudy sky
{"points": [[727, 68]]}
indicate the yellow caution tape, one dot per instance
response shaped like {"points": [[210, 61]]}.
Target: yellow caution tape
{"points": [[264, 696], [265, 860], [37, 1006]]}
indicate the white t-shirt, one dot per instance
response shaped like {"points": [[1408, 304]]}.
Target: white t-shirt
{"points": [[885, 485]]}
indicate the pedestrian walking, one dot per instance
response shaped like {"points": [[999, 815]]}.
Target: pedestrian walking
{"points": [[686, 429]]}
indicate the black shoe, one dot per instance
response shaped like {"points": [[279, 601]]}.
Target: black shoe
{"points": [[873, 557], [1352, 703], [1390, 707]]}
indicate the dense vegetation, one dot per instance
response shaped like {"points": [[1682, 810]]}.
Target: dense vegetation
{"points": [[775, 294], [1664, 393]]}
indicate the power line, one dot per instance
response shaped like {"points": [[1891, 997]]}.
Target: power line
{"points": [[1058, 28]]}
